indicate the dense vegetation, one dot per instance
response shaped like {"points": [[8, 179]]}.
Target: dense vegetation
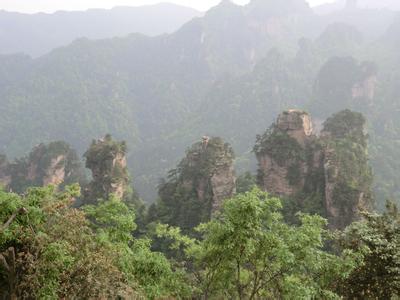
{"points": [[181, 247], [54, 163], [49, 249], [225, 74], [208, 234], [186, 199]]}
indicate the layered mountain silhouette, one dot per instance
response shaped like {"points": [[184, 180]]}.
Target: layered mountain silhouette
{"points": [[37, 34], [227, 73]]}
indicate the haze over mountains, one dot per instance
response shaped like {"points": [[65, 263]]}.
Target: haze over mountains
{"points": [[228, 73], [366, 4], [251, 153], [37, 34]]}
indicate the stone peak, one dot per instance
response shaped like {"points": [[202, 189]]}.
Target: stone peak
{"points": [[295, 122]]}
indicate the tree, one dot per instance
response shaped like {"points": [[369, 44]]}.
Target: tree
{"points": [[114, 224], [377, 238], [248, 252], [245, 182], [49, 250]]}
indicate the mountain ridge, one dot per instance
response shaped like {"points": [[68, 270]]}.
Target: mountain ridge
{"points": [[38, 34]]}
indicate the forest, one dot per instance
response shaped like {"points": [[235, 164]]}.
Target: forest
{"points": [[250, 152]]}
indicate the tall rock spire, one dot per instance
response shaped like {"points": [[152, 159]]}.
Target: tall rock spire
{"points": [[327, 174], [106, 159], [202, 181], [281, 153]]}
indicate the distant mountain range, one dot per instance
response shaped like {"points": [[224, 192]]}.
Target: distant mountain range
{"points": [[366, 4], [228, 73], [37, 34]]}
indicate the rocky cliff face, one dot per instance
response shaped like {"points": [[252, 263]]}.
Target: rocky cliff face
{"points": [[200, 184], [297, 124], [208, 169], [55, 163], [106, 159], [348, 177], [365, 89], [344, 82], [281, 153], [327, 174], [45, 167]]}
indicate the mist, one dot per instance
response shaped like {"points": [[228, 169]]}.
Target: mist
{"points": [[199, 149]]}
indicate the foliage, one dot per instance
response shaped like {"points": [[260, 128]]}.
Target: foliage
{"points": [[245, 182], [279, 145], [248, 252], [43, 162], [114, 225], [377, 238], [283, 149], [50, 250], [204, 157], [231, 83], [348, 169], [334, 84], [113, 220], [106, 159], [56, 254], [347, 124], [186, 197]]}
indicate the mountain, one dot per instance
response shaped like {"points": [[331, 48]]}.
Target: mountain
{"points": [[228, 74], [371, 22], [327, 174], [137, 88], [197, 188], [37, 34], [55, 164], [328, 8]]}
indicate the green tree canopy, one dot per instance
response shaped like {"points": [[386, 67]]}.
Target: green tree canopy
{"points": [[248, 252], [49, 250], [377, 237]]}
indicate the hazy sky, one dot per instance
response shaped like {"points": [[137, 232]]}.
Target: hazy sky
{"points": [[31, 6]]}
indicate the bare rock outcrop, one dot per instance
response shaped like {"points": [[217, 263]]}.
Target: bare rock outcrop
{"points": [[208, 168], [202, 181], [365, 89], [348, 176], [223, 183], [297, 124], [55, 173], [329, 171], [281, 153], [55, 163], [45, 168], [106, 159]]}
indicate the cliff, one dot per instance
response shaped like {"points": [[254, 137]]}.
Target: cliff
{"points": [[348, 177], [281, 153], [106, 159], [344, 82], [326, 174], [199, 185], [55, 163]]}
